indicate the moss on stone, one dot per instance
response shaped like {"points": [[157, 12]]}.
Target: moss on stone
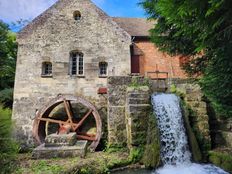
{"points": [[221, 159], [151, 156], [194, 146], [199, 143], [138, 82], [177, 91]]}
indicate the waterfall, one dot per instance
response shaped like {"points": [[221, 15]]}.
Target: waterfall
{"points": [[175, 153], [174, 143]]}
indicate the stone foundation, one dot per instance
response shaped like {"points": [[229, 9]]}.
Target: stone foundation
{"points": [[198, 116], [128, 110]]}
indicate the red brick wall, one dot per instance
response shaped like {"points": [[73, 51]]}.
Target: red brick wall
{"points": [[151, 59]]}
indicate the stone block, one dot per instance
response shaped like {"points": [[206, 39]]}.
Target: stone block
{"points": [[55, 140], [136, 95], [78, 150], [142, 108], [119, 80], [138, 101], [116, 126], [117, 96]]}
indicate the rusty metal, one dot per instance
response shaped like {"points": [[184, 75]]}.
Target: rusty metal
{"points": [[42, 118]]}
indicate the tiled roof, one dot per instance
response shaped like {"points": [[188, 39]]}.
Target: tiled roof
{"points": [[135, 26]]}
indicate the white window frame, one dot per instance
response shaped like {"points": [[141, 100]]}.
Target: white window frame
{"points": [[78, 55]]}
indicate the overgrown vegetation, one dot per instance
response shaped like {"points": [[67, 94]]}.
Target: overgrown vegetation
{"points": [[138, 82], [201, 31], [8, 52], [221, 159], [9, 148]]}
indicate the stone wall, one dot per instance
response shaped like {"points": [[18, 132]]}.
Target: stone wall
{"points": [[198, 115], [138, 109], [51, 37], [221, 131], [128, 108]]}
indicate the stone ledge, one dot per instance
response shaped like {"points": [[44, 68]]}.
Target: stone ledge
{"points": [[56, 140], [79, 149]]}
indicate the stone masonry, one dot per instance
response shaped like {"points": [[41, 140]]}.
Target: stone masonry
{"points": [[51, 37], [128, 108], [199, 119], [138, 108]]}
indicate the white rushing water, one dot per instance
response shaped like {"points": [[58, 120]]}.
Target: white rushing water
{"points": [[175, 153]]}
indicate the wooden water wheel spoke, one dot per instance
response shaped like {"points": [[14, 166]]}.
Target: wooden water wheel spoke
{"points": [[83, 137], [68, 111], [60, 122], [52, 121], [71, 108], [83, 119]]}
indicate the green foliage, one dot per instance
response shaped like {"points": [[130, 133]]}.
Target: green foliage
{"points": [[9, 148], [177, 91], [200, 30], [221, 159], [8, 52], [41, 167], [138, 82], [136, 154], [6, 96]]}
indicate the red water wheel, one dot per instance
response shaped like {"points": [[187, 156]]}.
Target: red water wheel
{"points": [[64, 112]]}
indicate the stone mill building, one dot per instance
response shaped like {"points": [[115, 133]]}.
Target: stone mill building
{"points": [[73, 48]]}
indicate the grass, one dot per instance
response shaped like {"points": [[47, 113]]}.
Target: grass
{"points": [[93, 163], [9, 148]]}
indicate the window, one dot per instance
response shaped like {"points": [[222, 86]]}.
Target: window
{"points": [[76, 64], [77, 15], [102, 69], [47, 69]]}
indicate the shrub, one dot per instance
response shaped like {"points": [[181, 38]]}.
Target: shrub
{"points": [[8, 148]]}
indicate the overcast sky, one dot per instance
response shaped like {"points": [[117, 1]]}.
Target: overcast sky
{"points": [[13, 10]]}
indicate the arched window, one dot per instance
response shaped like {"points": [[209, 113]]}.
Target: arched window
{"points": [[76, 63], [77, 15], [46, 69], [103, 69]]}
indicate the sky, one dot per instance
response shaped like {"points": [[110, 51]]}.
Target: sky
{"points": [[14, 10]]}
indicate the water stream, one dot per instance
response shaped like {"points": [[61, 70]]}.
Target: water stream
{"points": [[175, 153]]}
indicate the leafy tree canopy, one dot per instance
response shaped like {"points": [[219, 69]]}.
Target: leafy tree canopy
{"points": [[8, 51], [202, 31]]}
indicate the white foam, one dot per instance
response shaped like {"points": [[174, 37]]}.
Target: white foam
{"points": [[191, 168], [174, 143], [175, 153]]}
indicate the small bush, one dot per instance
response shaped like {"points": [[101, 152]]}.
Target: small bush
{"points": [[6, 97], [9, 148]]}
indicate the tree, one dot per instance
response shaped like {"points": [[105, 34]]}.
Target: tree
{"points": [[8, 52], [201, 30]]}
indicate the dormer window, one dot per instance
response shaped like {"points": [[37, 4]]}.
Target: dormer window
{"points": [[46, 69], [77, 15], [103, 69]]}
